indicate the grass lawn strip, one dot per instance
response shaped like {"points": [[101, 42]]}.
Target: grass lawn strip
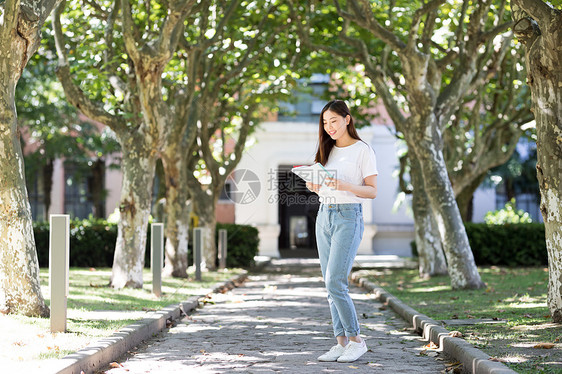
{"points": [[514, 303], [94, 311]]}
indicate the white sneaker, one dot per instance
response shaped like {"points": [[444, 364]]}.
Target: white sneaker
{"points": [[333, 354], [353, 351]]}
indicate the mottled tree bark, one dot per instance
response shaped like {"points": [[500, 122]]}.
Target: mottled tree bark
{"points": [[138, 167], [177, 211], [20, 291], [539, 27], [428, 242], [460, 261], [204, 207], [465, 198]]}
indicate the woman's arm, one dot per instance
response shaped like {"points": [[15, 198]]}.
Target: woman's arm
{"points": [[369, 190]]}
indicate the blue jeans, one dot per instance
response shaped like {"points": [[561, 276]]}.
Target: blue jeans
{"points": [[339, 229]]}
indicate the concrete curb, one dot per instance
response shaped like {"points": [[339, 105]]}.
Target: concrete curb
{"points": [[473, 359], [106, 350]]}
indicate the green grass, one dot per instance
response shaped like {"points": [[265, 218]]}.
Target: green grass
{"points": [[89, 293], [514, 295]]}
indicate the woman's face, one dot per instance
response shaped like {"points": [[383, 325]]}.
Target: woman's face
{"points": [[334, 124]]}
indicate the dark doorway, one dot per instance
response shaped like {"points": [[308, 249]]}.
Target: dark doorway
{"points": [[297, 215]]}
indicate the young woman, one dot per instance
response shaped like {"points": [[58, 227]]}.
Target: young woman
{"points": [[339, 224]]}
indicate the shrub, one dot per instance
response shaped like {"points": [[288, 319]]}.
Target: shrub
{"points": [[521, 244], [508, 214], [92, 243], [242, 245]]}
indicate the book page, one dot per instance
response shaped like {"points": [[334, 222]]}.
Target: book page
{"points": [[316, 173]]}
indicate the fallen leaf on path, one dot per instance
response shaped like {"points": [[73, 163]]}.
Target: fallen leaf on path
{"points": [[115, 365], [544, 345], [449, 364], [353, 367], [431, 345], [202, 351], [455, 334]]}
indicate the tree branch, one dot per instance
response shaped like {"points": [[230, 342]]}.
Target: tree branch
{"points": [[74, 95], [129, 32], [416, 19], [10, 13], [375, 27], [540, 11]]}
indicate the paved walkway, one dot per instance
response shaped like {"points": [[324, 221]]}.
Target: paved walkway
{"points": [[279, 321]]}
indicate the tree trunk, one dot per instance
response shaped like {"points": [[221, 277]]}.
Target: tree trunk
{"points": [[177, 212], [20, 291], [204, 208], [425, 142], [465, 198], [134, 206], [430, 252], [542, 37]]}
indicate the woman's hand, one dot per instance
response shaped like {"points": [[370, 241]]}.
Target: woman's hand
{"points": [[313, 187], [337, 184]]}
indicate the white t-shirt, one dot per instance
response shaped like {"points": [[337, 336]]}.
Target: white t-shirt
{"points": [[350, 164]]}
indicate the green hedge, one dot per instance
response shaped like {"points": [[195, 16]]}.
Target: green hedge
{"points": [[521, 244], [92, 244]]}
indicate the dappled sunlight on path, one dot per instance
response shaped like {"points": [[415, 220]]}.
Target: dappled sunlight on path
{"points": [[278, 323]]}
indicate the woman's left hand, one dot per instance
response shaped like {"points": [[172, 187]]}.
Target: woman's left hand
{"points": [[337, 184]]}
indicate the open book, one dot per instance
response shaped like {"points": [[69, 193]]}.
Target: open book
{"points": [[316, 173]]}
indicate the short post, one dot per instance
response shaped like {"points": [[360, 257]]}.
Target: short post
{"points": [[59, 253], [157, 257], [197, 251], [222, 248]]}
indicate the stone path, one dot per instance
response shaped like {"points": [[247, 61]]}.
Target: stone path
{"points": [[279, 322]]}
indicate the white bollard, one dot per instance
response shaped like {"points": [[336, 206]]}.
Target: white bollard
{"points": [[222, 248], [59, 253], [197, 251], [157, 257]]}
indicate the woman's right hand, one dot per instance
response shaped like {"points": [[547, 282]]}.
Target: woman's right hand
{"points": [[313, 187]]}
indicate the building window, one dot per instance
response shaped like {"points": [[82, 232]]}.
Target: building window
{"points": [[308, 101], [36, 197], [225, 192], [78, 197]]}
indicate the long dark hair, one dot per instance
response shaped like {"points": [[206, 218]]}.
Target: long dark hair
{"points": [[325, 142]]}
